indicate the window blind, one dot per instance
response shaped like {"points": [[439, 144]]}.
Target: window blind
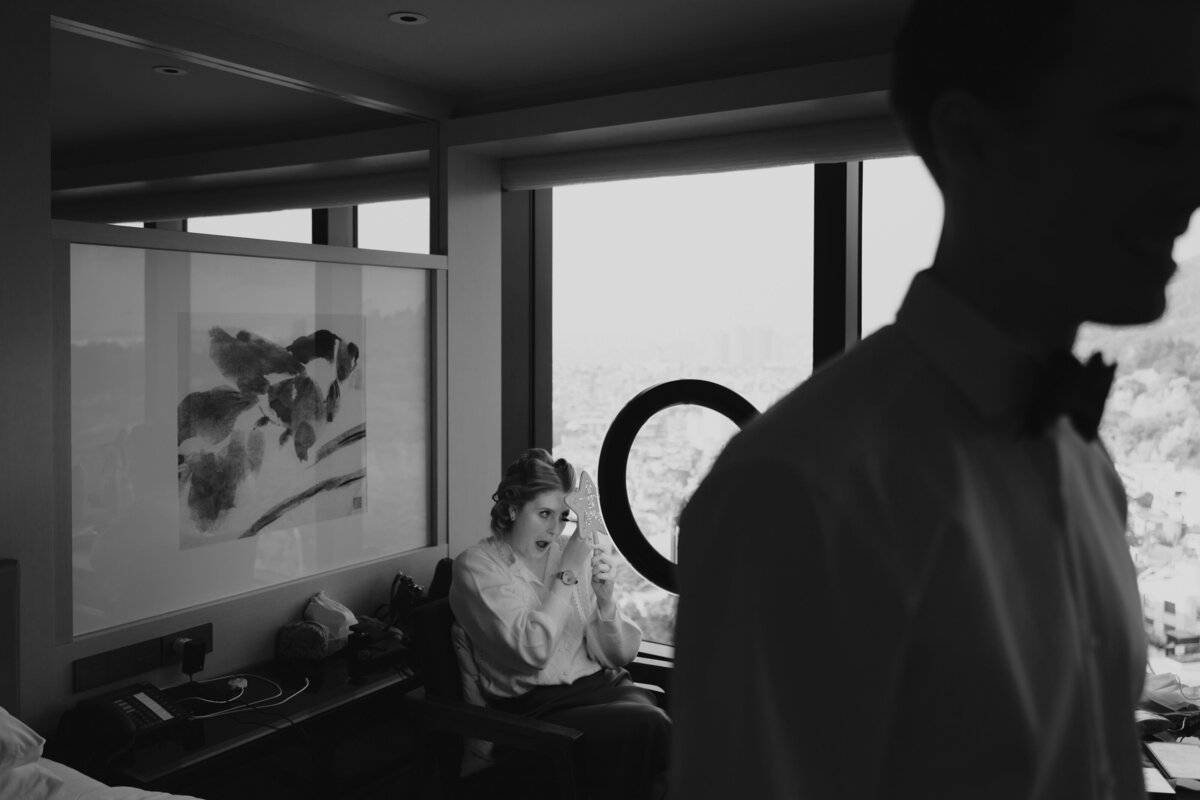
{"points": [[842, 140], [243, 198]]}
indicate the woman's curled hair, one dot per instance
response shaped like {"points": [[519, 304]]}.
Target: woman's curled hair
{"points": [[535, 472]]}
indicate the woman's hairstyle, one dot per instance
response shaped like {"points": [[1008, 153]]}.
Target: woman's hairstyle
{"points": [[533, 473]]}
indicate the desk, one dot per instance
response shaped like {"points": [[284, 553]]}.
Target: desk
{"points": [[1185, 789], [311, 725]]}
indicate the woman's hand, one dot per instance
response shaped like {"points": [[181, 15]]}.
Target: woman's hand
{"points": [[604, 573], [576, 553]]}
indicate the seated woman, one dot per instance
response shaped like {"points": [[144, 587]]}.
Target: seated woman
{"points": [[548, 637]]}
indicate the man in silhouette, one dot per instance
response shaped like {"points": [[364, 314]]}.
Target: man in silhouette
{"points": [[909, 577]]}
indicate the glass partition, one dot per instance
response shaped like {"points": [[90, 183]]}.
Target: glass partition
{"points": [[239, 421]]}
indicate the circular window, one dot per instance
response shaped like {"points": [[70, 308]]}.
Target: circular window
{"points": [[613, 468]]}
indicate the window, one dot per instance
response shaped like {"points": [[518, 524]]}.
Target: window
{"points": [[291, 225], [901, 222], [401, 225], [703, 276], [1152, 421], [1152, 429]]}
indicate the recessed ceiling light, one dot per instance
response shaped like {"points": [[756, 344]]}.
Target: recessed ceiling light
{"points": [[408, 18], [166, 69]]}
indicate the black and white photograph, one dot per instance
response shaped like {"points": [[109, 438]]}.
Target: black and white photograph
{"points": [[660, 400]]}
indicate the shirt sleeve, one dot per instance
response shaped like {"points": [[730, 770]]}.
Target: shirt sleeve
{"points": [[613, 642], [503, 618]]}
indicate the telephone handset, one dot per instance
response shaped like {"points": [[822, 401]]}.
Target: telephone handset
{"points": [[132, 712], [97, 730]]}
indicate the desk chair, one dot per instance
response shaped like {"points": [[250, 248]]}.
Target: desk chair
{"points": [[452, 723]]}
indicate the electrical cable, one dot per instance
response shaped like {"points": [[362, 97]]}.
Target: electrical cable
{"points": [[1188, 720], [1183, 690], [230, 679], [257, 704], [261, 706], [241, 692]]}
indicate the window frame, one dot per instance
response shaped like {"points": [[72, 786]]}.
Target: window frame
{"points": [[527, 274], [528, 268]]}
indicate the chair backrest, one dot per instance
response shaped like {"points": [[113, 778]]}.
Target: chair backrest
{"points": [[441, 647], [435, 650], [443, 573], [439, 624], [431, 624], [461, 755]]}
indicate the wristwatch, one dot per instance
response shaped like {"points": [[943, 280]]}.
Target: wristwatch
{"points": [[568, 577]]}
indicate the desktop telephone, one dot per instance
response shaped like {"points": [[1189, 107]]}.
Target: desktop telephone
{"points": [[100, 728], [131, 712]]}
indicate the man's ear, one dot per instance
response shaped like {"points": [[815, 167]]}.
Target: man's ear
{"points": [[962, 129]]}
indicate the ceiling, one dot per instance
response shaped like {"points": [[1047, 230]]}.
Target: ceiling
{"points": [[481, 51], [259, 70]]}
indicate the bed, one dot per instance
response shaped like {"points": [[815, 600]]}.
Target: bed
{"points": [[25, 774]]}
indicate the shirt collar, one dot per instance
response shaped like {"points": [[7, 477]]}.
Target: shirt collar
{"points": [[516, 566], [994, 372]]}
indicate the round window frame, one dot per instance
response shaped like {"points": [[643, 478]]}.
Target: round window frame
{"points": [[614, 464]]}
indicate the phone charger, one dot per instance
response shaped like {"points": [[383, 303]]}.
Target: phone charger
{"points": [[193, 656]]}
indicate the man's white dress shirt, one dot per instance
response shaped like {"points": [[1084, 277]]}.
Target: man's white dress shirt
{"points": [[890, 589]]}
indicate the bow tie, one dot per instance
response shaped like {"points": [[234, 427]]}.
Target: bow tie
{"points": [[1077, 390]]}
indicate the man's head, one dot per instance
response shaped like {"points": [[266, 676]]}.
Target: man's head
{"points": [[997, 52], [1065, 135]]}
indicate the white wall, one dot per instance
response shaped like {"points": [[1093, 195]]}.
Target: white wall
{"points": [[474, 376]]}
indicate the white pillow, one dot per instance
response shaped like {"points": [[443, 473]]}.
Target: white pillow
{"points": [[19, 744], [30, 782]]}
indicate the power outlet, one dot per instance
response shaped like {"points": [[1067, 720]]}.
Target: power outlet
{"points": [[135, 659], [200, 633]]}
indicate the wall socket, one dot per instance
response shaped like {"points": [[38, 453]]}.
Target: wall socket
{"points": [[200, 633], [134, 659]]}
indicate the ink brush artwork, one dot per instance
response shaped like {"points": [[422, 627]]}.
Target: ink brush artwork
{"points": [[275, 439]]}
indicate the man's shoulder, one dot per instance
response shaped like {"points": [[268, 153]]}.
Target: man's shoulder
{"points": [[881, 395]]}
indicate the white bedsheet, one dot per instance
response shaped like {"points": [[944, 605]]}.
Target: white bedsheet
{"points": [[77, 786]]}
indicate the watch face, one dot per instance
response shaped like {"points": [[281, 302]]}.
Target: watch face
{"points": [[568, 577]]}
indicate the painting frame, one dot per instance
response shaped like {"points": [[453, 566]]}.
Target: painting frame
{"points": [[332, 263]]}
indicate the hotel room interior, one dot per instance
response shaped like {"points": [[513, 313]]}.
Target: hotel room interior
{"points": [[131, 111]]}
